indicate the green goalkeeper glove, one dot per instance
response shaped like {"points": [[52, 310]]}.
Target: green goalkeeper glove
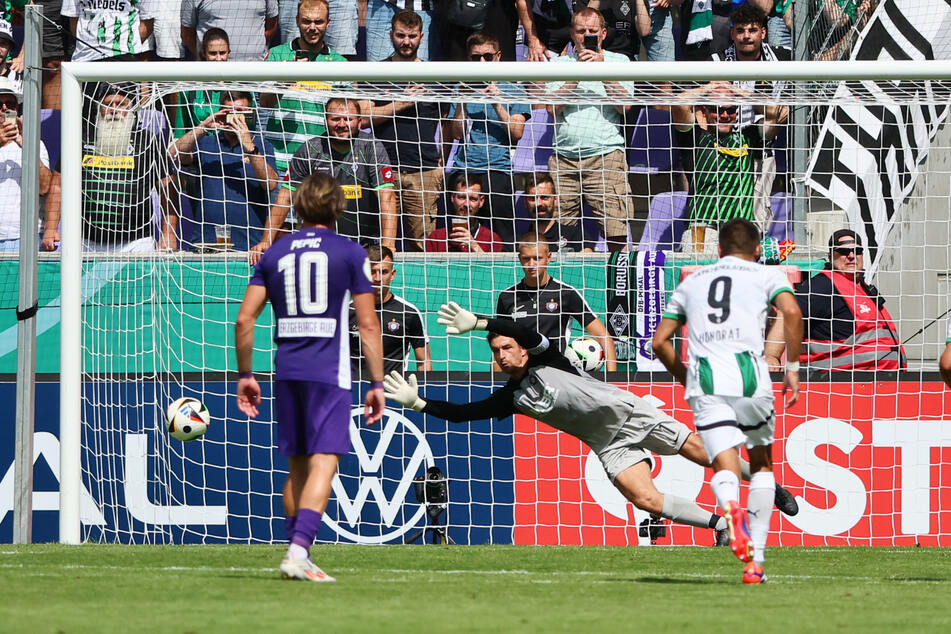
{"points": [[402, 391], [458, 320]]}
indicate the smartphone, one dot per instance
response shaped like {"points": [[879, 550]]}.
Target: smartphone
{"points": [[591, 42], [302, 56], [232, 117], [10, 116]]}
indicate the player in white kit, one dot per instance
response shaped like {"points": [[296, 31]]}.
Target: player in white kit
{"points": [[728, 385]]}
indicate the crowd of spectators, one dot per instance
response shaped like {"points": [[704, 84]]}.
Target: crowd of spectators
{"points": [[392, 155], [237, 173]]}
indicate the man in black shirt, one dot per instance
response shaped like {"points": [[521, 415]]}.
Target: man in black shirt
{"points": [[542, 303], [621, 428], [401, 322], [407, 130], [541, 205]]}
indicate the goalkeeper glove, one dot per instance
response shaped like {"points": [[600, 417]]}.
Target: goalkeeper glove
{"points": [[458, 320], [402, 391]]}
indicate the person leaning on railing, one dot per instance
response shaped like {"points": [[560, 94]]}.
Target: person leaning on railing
{"points": [[846, 324]]}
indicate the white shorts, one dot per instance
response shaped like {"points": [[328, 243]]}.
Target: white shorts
{"points": [[726, 422], [631, 446]]}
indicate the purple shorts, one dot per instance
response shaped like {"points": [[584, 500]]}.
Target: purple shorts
{"points": [[312, 417]]}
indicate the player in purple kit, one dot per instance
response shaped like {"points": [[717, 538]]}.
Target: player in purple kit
{"points": [[309, 277]]}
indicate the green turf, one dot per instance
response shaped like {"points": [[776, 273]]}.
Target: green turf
{"points": [[419, 589]]}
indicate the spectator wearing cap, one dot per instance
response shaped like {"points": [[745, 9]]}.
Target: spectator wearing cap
{"points": [[122, 165], [11, 158], [10, 68], [846, 325]]}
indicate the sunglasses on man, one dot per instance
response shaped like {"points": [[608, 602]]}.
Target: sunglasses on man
{"points": [[487, 57], [728, 110], [847, 250]]}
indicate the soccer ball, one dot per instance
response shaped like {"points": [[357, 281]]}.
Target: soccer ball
{"points": [[586, 354], [187, 419]]}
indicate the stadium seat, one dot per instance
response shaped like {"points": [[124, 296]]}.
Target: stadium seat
{"points": [[155, 122], [535, 146], [50, 134], [666, 222], [651, 148], [781, 229]]}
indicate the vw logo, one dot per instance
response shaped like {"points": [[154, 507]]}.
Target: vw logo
{"points": [[396, 437]]}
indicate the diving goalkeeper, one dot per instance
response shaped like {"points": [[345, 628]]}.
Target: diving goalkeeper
{"points": [[620, 427]]}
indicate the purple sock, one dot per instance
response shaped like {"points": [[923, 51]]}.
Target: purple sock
{"points": [[289, 521], [305, 528]]}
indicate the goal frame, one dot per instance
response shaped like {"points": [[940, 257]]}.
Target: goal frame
{"points": [[75, 74]]}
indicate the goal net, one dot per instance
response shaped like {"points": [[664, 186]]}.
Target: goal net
{"points": [[574, 197]]}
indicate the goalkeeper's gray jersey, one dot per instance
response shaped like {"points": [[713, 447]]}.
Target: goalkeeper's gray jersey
{"points": [[582, 406]]}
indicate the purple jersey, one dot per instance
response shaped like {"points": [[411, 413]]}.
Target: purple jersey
{"points": [[310, 277]]}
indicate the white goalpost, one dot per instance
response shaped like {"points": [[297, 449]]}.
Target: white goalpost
{"points": [[140, 329]]}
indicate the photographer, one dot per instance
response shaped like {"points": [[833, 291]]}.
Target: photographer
{"points": [[236, 170]]}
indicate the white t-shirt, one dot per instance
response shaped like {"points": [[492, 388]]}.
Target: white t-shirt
{"points": [[11, 161], [107, 28], [725, 307]]}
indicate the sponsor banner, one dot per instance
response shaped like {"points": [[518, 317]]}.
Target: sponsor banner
{"points": [[869, 462], [139, 485]]}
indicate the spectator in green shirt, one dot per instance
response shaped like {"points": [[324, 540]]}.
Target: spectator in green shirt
{"points": [[295, 120]]}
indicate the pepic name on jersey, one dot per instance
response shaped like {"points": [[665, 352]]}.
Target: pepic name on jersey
{"points": [[306, 243]]}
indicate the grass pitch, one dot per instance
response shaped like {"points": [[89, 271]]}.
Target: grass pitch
{"points": [[419, 589]]}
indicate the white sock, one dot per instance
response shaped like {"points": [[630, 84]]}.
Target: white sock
{"points": [[684, 511], [760, 508], [297, 552], [726, 486]]}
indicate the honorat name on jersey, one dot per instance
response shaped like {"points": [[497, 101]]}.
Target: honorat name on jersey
{"points": [[321, 327], [306, 243], [109, 162], [723, 334], [104, 5]]}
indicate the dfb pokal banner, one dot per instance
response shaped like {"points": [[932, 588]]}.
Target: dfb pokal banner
{"points": [[868, 155]]}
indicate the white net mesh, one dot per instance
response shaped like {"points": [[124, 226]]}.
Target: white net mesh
{"points": [[799, 159]]}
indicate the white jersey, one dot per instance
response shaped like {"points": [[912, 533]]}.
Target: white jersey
{"points": [[725, 306], [108, 28]]}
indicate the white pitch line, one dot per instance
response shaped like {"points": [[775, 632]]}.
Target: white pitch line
{"points": [[375, 574]]}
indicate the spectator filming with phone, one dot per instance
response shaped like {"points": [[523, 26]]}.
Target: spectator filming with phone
{"points": [[236, 168]]}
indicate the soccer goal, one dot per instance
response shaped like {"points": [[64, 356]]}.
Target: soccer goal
{"points": [[172, 172]]}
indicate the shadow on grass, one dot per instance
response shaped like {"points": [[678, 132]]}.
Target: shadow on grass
{"points": [[676, 580]]}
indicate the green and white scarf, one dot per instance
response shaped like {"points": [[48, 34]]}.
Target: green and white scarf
{"points": [[701, 22]]}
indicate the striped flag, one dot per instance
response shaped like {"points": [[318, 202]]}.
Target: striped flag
{"points": [[868, 156]]}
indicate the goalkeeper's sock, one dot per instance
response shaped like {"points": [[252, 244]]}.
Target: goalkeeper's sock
{"points": [[305, 529], [289, 521], [760, 508], [726, 486], [684, 511]]}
